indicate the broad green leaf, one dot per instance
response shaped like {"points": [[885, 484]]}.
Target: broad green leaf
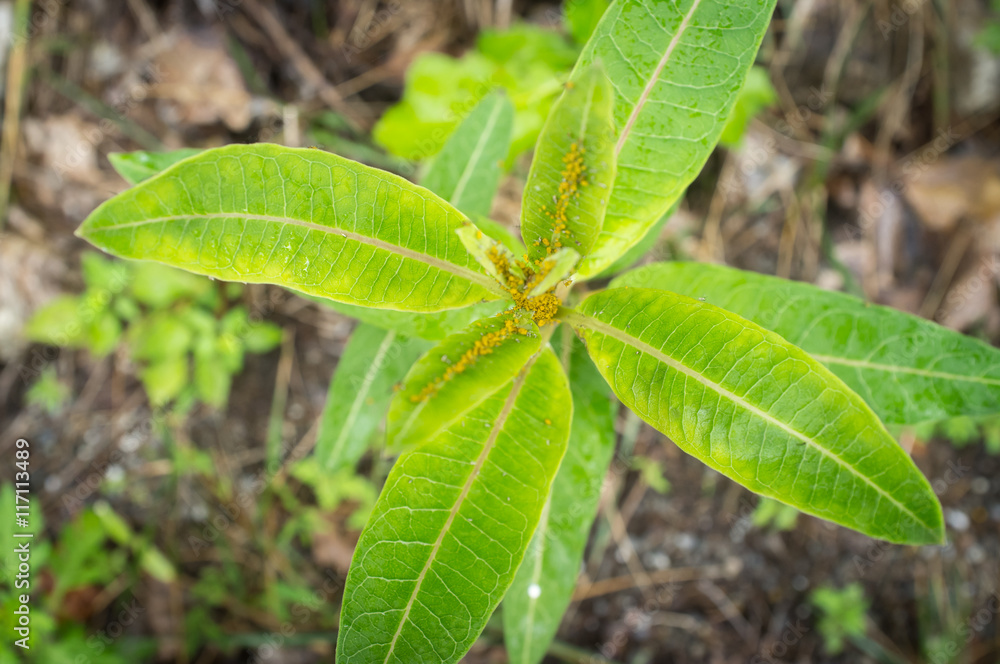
{"points": [[138, 166], [434, 326], [640, 248], [543, 587], [305, 219], [573, 170], [373, 361], [758, 410], [677, 69], [458, 374], [908, 369], [466, 172], [452, 524]]}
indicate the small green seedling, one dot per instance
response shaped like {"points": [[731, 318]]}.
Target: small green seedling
{"points": [[844, 615], [504, 427], [772, 513], [48, 392], [167, 317]]}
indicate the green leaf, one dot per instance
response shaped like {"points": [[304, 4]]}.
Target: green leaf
{"points": [[755, 95], [103, 333], [677, 69], [529, 62], [466, 172], [440, 90], [99, 273], [908, 369], [212, 379], [543, 587], [458, 374], [262, 337], [452, 524], [138, 166], [305, 219], [161, 335], [582, 16], [157, 565], [159, 286], [573, 170], [434, 326], [758, 410], [372, 363], [58, 323], [82, 558], [640, 248], [165, 378], [114, 525], [48, 392], [523, 46]]}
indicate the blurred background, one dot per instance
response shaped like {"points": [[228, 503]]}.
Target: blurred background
{"points": [[179, 514]]}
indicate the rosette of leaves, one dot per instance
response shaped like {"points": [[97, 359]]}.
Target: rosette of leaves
{"points": [[502, 416], [166, 317]]}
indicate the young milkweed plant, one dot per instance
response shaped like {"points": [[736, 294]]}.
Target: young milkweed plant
{"points": [[503, 427]]}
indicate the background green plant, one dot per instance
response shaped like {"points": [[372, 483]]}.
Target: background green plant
{"points": [[187, 335]]}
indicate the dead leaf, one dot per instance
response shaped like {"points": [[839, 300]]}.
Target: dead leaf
{"points": [[332, 548], [944, 190], [200, 84]]}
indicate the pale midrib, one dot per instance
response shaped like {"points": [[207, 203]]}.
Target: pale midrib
{"points": [[508, 406], [433, 261], [366, 385], [484, 139], [578, 319], [890, 368], [651, 83], [536, 574]]}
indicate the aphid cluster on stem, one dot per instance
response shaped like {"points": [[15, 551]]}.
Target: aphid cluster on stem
{"points": [[573, 177]]}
